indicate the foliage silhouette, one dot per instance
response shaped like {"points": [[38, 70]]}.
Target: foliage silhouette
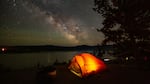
{"points": [[126, 25]]}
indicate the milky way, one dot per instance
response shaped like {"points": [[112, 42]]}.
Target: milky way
{"points": [[66, 22]]}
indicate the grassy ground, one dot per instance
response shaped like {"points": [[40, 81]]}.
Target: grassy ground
{"points": [[115, 74]]}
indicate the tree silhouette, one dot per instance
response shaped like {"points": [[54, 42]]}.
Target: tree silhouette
{"points": [[126, 24]]}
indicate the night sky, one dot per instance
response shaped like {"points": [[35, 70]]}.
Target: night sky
{"points": [[49, 22]]}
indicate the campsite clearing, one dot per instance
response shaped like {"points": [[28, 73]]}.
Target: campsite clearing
{"points": [[116, 74]]}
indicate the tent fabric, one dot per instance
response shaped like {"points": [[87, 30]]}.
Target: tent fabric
{"points": [[85, 64]]}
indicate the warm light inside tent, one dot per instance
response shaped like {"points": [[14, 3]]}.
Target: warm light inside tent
{"points": [[80, 60], [85, 64], [91, 66]]}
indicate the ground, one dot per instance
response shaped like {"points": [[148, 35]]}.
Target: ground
{"points": [[115, 74]]}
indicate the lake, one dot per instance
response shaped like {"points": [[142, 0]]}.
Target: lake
{"points": [[29, 60]]}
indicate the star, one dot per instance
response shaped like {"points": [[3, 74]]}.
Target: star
{"points": [[64, 22]]}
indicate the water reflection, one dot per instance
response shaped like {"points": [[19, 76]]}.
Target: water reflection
{"points": [[27, 60]]}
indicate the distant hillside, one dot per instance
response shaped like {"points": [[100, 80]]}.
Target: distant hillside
{"points": [[20, 49]]}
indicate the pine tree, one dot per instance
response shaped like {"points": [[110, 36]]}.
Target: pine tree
{"points": [[126, 24]]}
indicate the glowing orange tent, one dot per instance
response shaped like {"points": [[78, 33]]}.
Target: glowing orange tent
{"points": [[85, 64]]}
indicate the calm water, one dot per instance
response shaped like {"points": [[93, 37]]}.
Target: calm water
{"points": [[27, 60]]}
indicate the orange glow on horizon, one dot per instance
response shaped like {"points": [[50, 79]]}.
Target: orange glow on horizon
{"points": [[3, 49]]}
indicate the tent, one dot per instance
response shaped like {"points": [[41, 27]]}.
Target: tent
{"points": [[86, 64]]}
